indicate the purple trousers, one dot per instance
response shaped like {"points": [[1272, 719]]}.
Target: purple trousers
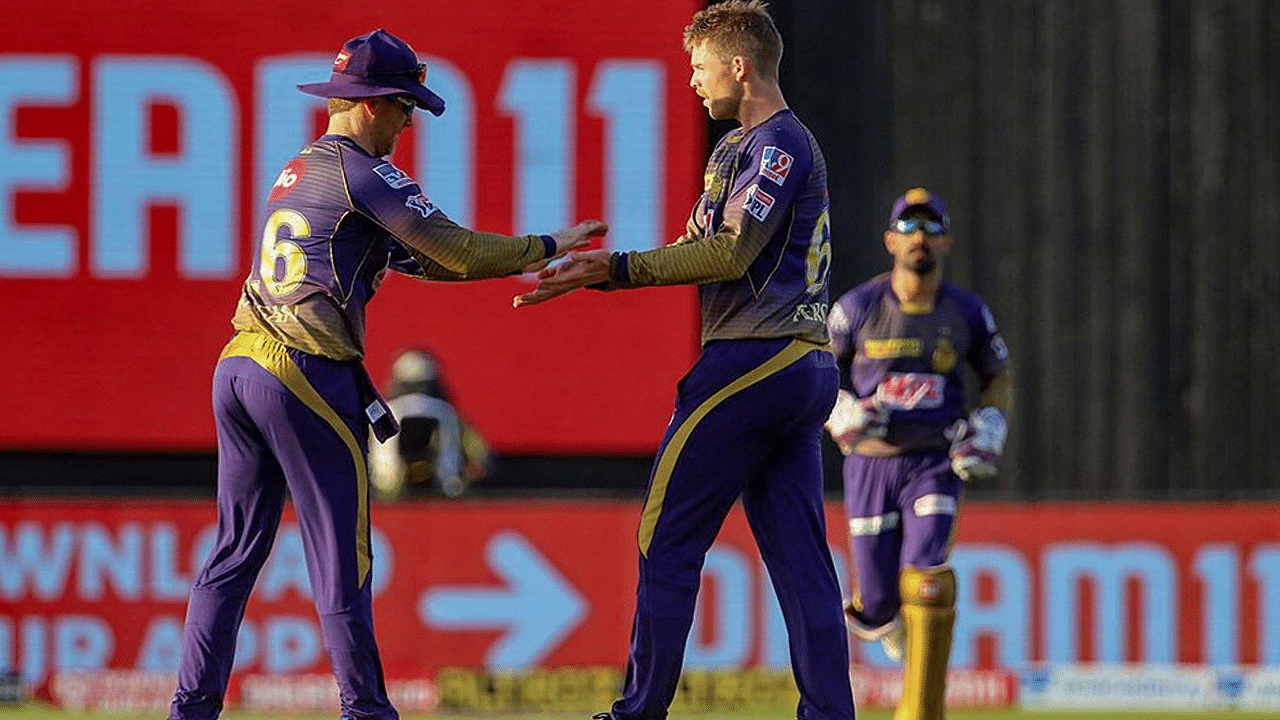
{"points": [[747, 423], [286, 421], [901, 511]]}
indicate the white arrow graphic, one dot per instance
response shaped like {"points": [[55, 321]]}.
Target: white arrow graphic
{"points": [[538, 608]]}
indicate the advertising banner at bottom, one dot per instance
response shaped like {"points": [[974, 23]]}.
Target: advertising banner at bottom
{"points": [[530, 602], [1146, 686], [469, 690], [882, 688]]}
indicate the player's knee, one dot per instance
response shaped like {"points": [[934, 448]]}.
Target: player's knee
{"points": [[928, 587]]}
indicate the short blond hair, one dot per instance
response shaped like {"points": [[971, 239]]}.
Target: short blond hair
{"points": [[738, 27], [340, 105]]}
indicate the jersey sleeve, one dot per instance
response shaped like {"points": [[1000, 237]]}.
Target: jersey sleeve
{"points": [[988, 355], [440, 248], [846, 317], [772, 171]]}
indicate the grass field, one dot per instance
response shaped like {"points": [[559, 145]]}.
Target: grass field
{"points": [[42, 712]]}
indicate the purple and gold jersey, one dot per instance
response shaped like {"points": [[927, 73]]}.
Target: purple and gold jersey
{"points": [[337, 219], [758, 242], [914, 362]]}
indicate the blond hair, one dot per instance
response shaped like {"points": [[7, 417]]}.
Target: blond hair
{"points": [[738, 27], [340, 105]]}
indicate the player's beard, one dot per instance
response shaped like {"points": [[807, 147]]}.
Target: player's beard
{"points": [[922, 264], [390, 145], [724, 109]]}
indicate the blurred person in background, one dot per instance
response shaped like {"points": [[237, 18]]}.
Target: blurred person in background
{"points": [[748, 415], [293, 402], [436, 446], [902, 341]]}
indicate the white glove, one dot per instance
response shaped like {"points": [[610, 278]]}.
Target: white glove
{"points": [[855, 418], [978, 443]]}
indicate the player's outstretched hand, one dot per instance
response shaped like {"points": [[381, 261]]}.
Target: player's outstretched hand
{"points": [[577, 236], [570, 238], [580, 269]]}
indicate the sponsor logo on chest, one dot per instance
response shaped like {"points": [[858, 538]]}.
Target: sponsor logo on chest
{"points": [[893, 348], [909, 391]]}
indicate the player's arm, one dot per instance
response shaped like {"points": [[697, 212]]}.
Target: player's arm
{"points": [[756, 209], [977, 442], [998, 393], [843, 332], [989, 357], [693, 231], [408, 261], [757, 206], [852, 418], [443, 249]]}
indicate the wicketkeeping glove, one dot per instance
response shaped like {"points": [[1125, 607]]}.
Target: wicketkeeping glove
{"points": [[853, 419], [978, 443]]}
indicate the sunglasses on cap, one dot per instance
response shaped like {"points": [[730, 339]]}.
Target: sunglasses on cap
{"points": [[908, 226]]}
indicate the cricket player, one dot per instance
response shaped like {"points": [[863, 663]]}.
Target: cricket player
{"points": [[749, 414], [902, 342], [292, 401]]}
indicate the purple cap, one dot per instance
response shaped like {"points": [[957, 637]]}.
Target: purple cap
{"points": [[377, 64], [918, 197]]}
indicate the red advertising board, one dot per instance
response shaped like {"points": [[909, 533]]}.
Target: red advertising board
{"points": [[138, 139], [514, 586], [1119, 582]]}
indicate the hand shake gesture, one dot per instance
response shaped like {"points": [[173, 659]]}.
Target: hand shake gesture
{"points": [[580, 269], [570, 238]]}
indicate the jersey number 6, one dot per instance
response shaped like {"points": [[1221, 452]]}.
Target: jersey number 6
{"points": [[278, 251], [818, 261]]}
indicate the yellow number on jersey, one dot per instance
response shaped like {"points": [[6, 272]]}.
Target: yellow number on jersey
{"points": [[275, 247], [818, 262]]}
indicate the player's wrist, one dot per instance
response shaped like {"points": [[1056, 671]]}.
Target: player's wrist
{"points": [[548, 245], [619, 267]]}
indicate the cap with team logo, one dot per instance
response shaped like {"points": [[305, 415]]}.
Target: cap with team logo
{"points": [[919, 197], [375, 64]]}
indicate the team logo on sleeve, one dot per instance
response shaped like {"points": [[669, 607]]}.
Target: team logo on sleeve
{"points": [[838, 320], [775, 164], [759, 203], [999, 348], [394, 176], [989, 319], [420, 203]]}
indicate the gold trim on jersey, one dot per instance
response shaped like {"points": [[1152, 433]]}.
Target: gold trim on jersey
{"points": [[894, 348], [271, 356], [794, 350]]}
